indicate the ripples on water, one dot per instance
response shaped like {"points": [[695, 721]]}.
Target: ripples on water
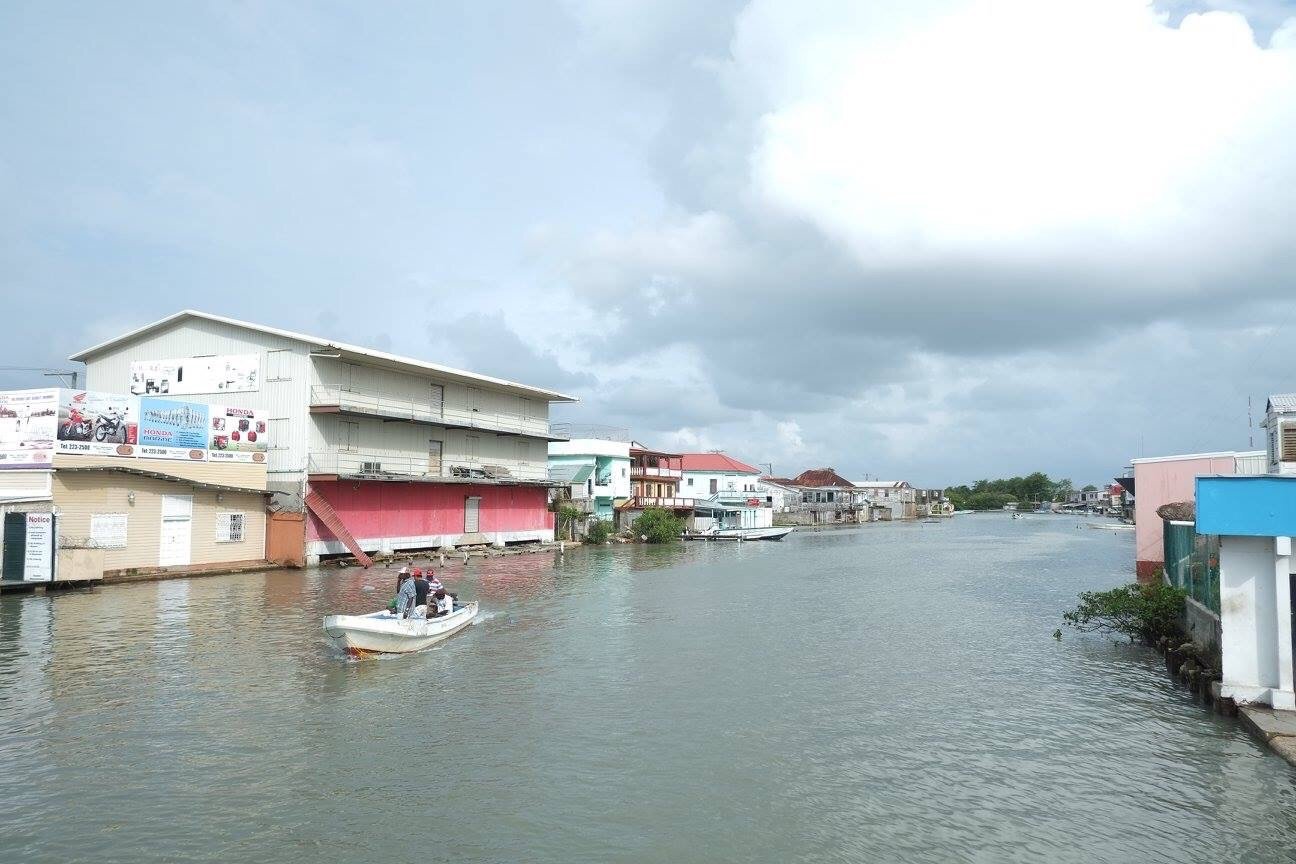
{"points": [[890, 693]]}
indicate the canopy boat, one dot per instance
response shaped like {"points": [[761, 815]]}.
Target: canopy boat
{"points": [[384, 633]]}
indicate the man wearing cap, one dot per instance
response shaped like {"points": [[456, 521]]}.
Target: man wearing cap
{"points": [[421, 588]]}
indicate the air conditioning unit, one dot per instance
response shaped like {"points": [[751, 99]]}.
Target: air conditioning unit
{"points": [[370, 467], [1280, 424]]}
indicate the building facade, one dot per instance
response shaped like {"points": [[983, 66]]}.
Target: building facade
{"points": [[728, 492], [384, 452], [595, 471], [896, 495]]}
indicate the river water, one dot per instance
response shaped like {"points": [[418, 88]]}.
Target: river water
{"points": [[887, 693]]}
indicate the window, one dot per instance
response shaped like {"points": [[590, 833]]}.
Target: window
{"points": [[279, 364], [348, 435], [690, 481], [278, 427], [471, 448], [1288, 442], [623, 472], [108, 530], [229, 527]]}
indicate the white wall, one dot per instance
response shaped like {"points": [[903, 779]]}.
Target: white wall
{"points": [[1255, 620], [700, 485]]}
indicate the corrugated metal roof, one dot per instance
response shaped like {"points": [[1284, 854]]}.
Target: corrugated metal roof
{"points": [[319, 342], [158, 475], [1282, 402], [570, 473], [715, 462]]}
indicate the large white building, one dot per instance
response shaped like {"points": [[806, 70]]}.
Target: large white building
{"points": [[726, 491], [896, 495], [404, 453]]}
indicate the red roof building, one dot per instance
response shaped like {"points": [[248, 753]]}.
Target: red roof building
{"points": [[718, 462]]}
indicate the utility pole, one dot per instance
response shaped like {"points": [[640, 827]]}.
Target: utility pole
{"points": [[1250, 427]]}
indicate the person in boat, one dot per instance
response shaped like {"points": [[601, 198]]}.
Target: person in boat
{"points": [[401, 578], [422, 587], [405, 598], [444, 603]]}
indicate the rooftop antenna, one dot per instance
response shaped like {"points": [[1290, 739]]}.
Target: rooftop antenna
{"points": [[1250, 427]]}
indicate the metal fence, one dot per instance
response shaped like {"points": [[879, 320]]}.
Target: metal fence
{"points": [[1192, 563]]}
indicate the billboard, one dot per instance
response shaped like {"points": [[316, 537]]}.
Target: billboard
{"points": [[172, 430], [103, 424], [225, 373], [237, 434], [28, 419]]}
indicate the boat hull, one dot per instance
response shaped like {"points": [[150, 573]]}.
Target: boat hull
{"points": [[383, 633], [742, 534]]}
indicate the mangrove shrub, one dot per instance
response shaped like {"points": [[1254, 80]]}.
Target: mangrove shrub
{"points": [[598, 531], [1147, 611], [658, 525]]}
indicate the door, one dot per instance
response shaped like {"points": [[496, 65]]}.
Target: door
{"points": [[434, 458], [177, 529], [472, 515], [473, 404], [436, 399], [14, 548], [715, 484]]}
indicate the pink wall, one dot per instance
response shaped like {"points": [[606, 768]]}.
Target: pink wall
{"points": [[377, 509], [1159, 483]]}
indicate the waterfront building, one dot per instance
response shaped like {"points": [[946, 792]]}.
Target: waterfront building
{"points": [[593, 465], [1251, 519], [727, 492], [383, 452], [826, 497], [655, 478], [898, 496], [1162, 480], [779, 493], [89, 490]]}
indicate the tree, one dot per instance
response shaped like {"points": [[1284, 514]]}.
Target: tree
{"points": [[1090, 488], [1147, 611], [657, 525]]}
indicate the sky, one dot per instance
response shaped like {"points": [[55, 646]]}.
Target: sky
{"points": [[938, 241]]}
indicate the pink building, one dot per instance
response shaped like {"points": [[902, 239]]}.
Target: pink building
{"points": [[1164, 480]]}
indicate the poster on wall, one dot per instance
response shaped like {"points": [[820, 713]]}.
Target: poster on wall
{"points": [[172, 430], [237, 434], [226, 373], [28, 419], [102, 424], [38, 559]]}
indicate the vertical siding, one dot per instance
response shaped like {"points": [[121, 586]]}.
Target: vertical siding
{"points": [[281, 397], [372, 509], [77, 497], [249, 475]]}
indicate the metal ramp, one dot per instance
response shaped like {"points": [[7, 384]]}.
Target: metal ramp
{"points": [[324, 512]]}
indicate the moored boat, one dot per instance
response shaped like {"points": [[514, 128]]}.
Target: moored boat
{"points": [[384, 633], [775, 533]]}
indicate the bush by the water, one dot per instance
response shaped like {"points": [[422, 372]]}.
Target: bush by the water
{"points": [[598, 531], [1145, 612], [658, 525]]}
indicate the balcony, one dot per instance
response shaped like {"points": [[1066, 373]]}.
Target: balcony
{"points": [[327, 399], [382, 466], [638, 502], [565, 431], [649, 471]]}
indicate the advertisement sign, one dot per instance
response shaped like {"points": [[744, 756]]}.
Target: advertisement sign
{"points": [[172, 430], [237, 434], [38, 561], [104, 424], [227, 373], [27, 422]]}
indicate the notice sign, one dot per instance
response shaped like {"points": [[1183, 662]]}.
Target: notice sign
{"points": [[27, 422], [38, 562]]}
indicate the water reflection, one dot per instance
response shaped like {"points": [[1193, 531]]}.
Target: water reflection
{"points": [[883, 693]]}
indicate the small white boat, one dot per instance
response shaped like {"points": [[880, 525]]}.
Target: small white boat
{"points": [[777, 533], [384, 633]]}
